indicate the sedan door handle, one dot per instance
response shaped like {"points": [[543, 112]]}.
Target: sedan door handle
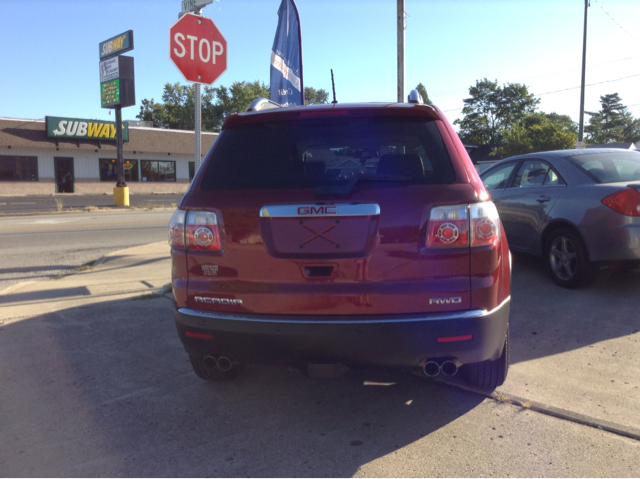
{"points": [[543, 199]]}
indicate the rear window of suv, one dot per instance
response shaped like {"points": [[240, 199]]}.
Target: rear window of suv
{"points": [[317, 153]]}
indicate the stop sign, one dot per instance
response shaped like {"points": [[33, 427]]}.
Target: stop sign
{"points": [[198, 49]]}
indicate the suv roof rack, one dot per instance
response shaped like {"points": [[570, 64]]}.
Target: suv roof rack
{"points": [[415, 97], [260, 104]]}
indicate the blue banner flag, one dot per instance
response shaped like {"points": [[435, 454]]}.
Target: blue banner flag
{"points": [[286, 58]]}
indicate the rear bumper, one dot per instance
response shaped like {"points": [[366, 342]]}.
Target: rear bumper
{"points": [[402, 340], [610, 243]]}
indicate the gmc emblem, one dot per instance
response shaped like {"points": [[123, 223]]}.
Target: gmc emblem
{"points": [[317, 210]]}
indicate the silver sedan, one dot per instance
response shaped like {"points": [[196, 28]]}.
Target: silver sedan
{"points": [[577, 209]]}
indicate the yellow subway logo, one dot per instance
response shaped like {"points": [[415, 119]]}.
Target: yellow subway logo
{"points": [[118, 44], [113, 45], [84, 129]]}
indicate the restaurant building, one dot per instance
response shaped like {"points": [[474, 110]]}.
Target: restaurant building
{"points": [[70, 155]]}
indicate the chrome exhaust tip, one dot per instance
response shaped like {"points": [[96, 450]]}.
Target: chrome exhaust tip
{"points": [[449, 368], [431, 369], [224, 364], [209, 362]]}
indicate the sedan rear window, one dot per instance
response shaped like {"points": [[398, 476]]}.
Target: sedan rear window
{"points": [[610, 167], [328, 153]]}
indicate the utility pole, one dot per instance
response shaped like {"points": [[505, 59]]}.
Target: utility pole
{"points": [[401, 97], [197, 123], [584, 67]]}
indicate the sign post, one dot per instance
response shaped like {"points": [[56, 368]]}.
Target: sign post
{"points": [[117, 90], [199, 51]]}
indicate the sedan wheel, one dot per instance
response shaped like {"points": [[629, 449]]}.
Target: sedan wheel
{"points": [[567, 259]]}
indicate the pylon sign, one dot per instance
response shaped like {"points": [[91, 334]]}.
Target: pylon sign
{"points": [[198, 49]]}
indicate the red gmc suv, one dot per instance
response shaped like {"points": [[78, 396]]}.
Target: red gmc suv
{"points": [[350, 234]]}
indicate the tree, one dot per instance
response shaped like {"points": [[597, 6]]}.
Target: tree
{"points": [[423, 93], [613, 123], [152, 111], [631, 131], [564, 120], [539, 132], [177, 109], [237, 98], [315, 97], [492, 110], [178, 106]]}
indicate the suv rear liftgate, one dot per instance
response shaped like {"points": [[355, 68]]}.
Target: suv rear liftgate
{"points": [[358, 234]]}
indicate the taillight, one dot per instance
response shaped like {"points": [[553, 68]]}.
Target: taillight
{"points": [[456, 226], [448, 227], [194, 230], [176, 229], [202, 230], [485, 224], [626, 202]]}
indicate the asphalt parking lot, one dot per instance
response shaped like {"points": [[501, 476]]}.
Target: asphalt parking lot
{"points": [[104, 388]]}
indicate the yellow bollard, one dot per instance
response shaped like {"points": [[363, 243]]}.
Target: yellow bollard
{"points": [[121, 195]]}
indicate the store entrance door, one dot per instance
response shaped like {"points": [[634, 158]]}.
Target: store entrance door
{"points": [[64, 175]]}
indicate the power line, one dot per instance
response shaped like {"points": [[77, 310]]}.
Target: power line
{"points": [[590, 84], [546, 75], [570, 88], [615, 21]]}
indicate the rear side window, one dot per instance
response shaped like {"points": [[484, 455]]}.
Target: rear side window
{"points": [[327, 152], [610, 167]]}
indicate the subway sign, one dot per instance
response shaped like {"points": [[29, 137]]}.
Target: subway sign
{"points": [[116, 45], [79, 129]]}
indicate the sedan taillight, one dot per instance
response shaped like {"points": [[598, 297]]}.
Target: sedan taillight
{"points": [[456, 226], [626, 202], [196, 230]]}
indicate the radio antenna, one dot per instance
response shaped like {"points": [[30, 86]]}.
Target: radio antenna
{"points": [[333, 85]]}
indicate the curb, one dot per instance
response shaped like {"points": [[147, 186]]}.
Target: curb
{"points": [[506, 398], [8, 289]]}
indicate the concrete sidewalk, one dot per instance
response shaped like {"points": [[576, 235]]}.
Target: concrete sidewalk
{"points": [[130, 273], [570, 358]]}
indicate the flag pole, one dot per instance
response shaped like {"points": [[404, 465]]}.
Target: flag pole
{"points": [[295, 9]]}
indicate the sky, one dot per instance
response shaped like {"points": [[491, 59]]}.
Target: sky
{"points": [[49, 50]]}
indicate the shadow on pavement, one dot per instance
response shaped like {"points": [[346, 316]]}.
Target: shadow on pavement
{"points": [[113, 258], [108, 390], [33, 269], [547, 319], [45, 295]]}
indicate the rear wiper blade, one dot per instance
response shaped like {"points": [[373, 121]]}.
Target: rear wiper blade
{"points": [[399, 179]]}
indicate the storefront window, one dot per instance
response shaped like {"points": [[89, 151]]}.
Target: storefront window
{"points": [[109, 172], [18, 168], [153, 170]]}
